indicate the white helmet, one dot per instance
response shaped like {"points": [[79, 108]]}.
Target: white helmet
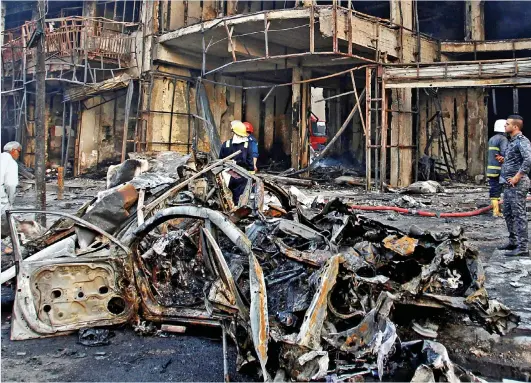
{"points": [[499, 126]]}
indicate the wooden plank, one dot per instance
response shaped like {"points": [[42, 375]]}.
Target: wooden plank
{"points": [[477, 132], [401, 135], [232, 47], [485, 46], [466, 70], [457, 83], [460, 158], [365, 30]]}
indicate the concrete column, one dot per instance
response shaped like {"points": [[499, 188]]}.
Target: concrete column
{"points": [[402, 12], [304, 151], [474, 20], [89, 8], [40, 121], [295, 116], [148, 30], [401, 161], [2, 21]]}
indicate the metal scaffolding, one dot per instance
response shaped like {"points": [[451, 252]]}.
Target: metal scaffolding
{"points": [[83, 55]]}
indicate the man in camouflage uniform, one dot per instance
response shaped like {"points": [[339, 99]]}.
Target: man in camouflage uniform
{"points": [[516, 166]]}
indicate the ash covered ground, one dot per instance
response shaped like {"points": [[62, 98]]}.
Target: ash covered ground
{"points": [[197, 355]]}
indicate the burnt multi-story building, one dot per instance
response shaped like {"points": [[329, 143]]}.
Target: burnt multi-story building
{"points": [[400, 79]]}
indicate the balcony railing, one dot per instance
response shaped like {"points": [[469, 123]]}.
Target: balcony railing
{"points": [[75, 37]]}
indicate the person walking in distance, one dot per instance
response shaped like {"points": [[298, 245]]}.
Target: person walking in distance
{"points": [[8, 181], [514, 177], [497, 147]]}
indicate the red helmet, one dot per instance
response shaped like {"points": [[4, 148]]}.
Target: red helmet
{"points": [[249, 127]]}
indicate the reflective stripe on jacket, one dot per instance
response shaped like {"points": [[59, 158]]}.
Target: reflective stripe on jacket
{"points": [[497, 146], [244, 159]]}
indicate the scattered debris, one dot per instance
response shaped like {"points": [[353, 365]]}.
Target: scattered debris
{"points": [[425, 187], [68, 352], [403, 246], [408, 202], [94, 337], [291, 181], [348, 180], [428, 330], [301, 197], [125, 172], [100, 355], [173, 329], [307, 292], [146, 328]]}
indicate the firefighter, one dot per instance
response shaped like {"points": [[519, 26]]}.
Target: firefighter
{"points": [[253, 144], [497, 146], [239, 141]]}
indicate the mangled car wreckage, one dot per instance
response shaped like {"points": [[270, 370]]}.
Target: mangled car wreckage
{"points": [[306, 292]]}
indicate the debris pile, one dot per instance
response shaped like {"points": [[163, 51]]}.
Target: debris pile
{"points": [[308, 290]]}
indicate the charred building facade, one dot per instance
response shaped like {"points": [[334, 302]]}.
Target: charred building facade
{"points": [[402, 81]]}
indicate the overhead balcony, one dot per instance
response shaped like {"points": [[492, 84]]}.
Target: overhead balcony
{"points": [[70, 43]]}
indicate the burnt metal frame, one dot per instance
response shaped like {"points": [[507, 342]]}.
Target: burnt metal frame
{"points": [[14, 233], [71, 30]]}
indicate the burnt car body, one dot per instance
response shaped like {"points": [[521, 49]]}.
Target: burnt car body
{"points": [[312, 287]]}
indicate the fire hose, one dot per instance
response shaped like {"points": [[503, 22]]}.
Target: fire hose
{"points": [[426, 213]]}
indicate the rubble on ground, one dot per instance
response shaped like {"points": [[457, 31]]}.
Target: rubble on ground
{"points": [[306, 288], [425, 187]]}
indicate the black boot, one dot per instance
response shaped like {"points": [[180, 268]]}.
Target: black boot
{"points": [[507, 246], [517, 252]]}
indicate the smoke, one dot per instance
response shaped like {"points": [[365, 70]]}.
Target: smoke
{"points": [[507, 19]]}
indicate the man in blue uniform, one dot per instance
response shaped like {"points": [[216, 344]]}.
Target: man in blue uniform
{"points": [[239, 141], [253, 143], [497, 146], [516, 166]]}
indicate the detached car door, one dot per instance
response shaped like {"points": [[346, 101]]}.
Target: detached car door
{"points": [[62, 288]]}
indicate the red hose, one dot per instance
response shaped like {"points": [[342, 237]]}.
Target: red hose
{"points": [[426, 213]]}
